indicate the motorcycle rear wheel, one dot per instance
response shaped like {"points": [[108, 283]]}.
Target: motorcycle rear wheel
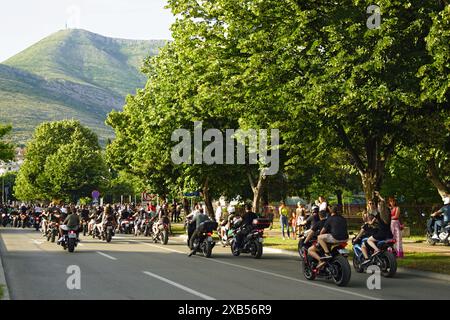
{"points": [[71, 245], [207, 250], [342, 278], [164, 237], [389, 264]]}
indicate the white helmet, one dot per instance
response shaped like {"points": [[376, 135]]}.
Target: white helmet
{"points": [[446, 200]]}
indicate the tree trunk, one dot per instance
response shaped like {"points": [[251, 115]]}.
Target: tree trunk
{"points": [[257, 191], [339, 199], [371, 182], [208, 200], [433, 176]]}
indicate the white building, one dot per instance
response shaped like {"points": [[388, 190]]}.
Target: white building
{"points": [[12, 166]]}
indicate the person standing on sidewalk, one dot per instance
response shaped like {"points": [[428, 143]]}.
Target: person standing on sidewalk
{"points": [[284, 219], [395, 226]]}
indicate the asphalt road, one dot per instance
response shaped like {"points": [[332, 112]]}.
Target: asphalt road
{"points": [[136, 268]]}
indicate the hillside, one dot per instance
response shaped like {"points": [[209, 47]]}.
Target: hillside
{"points": [[71, 74]]}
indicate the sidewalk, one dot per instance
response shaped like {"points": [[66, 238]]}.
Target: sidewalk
{"points": [[3, 283]]}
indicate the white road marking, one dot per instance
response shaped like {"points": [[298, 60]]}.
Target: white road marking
{"points": [[180, 286], [271, 274], [37, 241], [106, 255]]}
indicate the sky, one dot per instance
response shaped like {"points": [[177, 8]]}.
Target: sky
{"points": [[25, 22]]}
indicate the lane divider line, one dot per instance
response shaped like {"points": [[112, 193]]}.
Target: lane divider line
{"points": [[271, 274], [180, 286], [106, 255]]}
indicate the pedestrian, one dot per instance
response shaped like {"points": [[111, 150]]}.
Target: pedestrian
{"points": [[284, 219], [301, 217], [294, 224], [271, 216], [396, 227]]}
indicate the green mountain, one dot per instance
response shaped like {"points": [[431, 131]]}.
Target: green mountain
{"points": [[72, 74]]}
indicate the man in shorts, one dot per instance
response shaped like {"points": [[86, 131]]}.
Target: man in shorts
{"points": [[334, 231]]}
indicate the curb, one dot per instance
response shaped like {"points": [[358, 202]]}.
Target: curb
{"points": [[408, 271], [3, 283]]}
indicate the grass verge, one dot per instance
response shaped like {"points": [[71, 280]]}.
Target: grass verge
{"points": [[1, 291]]}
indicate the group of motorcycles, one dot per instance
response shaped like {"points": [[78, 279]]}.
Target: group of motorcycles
{"points": [[157, 229], [253, 237], [338, 268]]}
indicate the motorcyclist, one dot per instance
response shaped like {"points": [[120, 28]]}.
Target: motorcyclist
{"points": [[246, 225], [199, 219], [71, 222], [334, 231], [370, 223], [382, 232], [316, 228], [442, 218], [140, 216], [191, 221], [108, 216]]}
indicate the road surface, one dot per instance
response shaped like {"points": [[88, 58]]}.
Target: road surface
{"points": [[136, 268]]}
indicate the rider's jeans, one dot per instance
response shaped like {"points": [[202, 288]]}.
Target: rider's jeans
{"points": [[437, 226]]}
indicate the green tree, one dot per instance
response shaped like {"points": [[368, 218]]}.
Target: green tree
{"points": [[63, 161], [6, 149]]}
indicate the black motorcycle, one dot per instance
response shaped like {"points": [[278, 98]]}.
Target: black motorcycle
{"points": [[6, 219], [337, 268], [108, 231], [204, 241], [69, 239], [253, 238], [385, 259]]}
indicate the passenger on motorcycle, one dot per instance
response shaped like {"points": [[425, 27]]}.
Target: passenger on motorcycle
{"points": [[246, 225], [441, 218], [382, 232], [334, 231]]}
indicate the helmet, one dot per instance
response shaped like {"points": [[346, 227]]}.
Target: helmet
{"points": [[315, 209], [447, 200]]}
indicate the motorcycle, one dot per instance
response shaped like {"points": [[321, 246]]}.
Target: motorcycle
{"points": [[37, 222], [253, 240], [6, 219], [337, 268], [108, 231], [23, 222], [385, 260], [52, 231], [85, 227], [161, 231], [443, 235], [127, 225], [15, 220], [204, 241], [69, 239]]}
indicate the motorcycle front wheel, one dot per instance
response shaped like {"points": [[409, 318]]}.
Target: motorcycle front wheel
{"points": [[307, 271]]}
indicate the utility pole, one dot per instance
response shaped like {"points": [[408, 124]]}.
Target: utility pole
{"points": [[3, 188]]}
